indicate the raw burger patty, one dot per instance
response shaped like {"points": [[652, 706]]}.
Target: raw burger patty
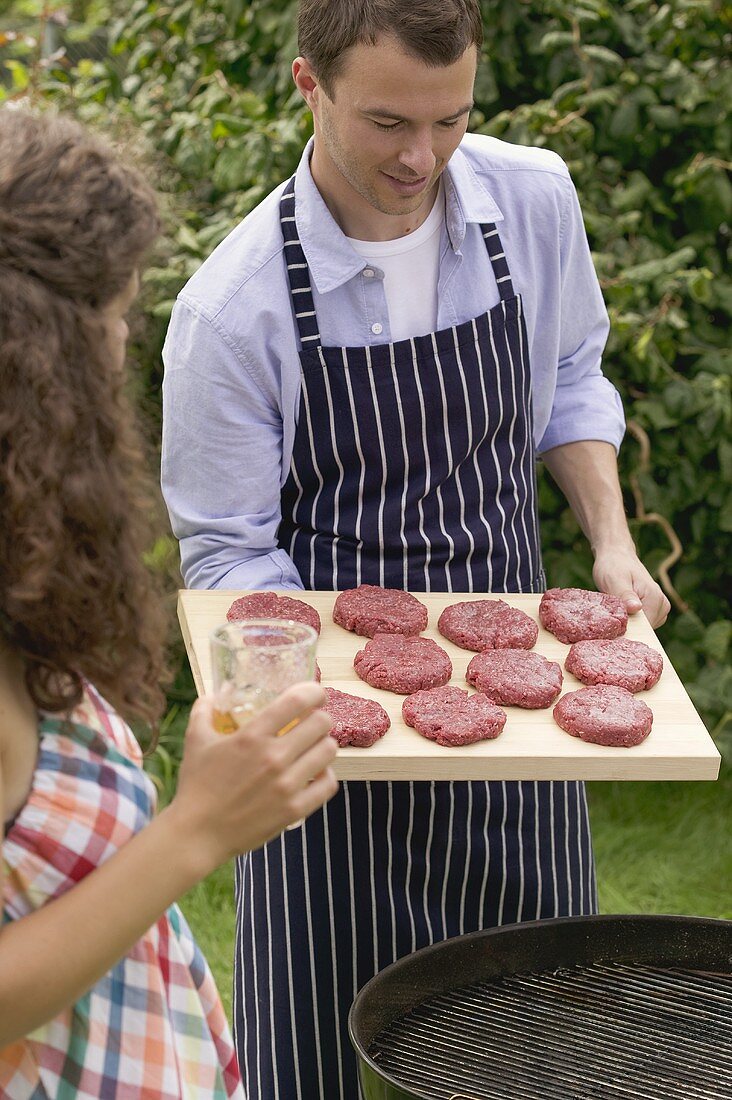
{"points": [[370, 610], [270, 605], [573, 614], [487, 624], [449, 716], [402, 664], [605, 715], [631, 665], [356, 721], [515, 678]]}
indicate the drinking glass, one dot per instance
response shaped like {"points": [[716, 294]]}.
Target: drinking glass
{"points": [[254, 661]]}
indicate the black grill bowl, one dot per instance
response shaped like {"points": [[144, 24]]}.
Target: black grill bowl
{"points": [[576, 1008]]}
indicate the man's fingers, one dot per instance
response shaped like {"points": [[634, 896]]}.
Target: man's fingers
{"points": [[632, 601], [658, 610]]}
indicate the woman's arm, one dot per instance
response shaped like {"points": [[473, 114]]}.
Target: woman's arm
{"points": [[587, 474], [234, 794]]}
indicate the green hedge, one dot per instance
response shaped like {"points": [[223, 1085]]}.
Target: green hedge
{"points": [[635, 96]]}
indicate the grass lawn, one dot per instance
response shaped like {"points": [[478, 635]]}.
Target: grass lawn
{"points": [[660, 848]]}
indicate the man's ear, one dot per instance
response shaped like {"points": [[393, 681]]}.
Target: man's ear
{"points": [[306, 81]]}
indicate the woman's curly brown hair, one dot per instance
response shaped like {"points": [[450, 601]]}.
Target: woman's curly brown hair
{"points": [[76, 508]]}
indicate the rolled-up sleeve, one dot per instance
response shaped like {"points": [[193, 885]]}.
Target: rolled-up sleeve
{"points": [[221, 460], [586, 405]]}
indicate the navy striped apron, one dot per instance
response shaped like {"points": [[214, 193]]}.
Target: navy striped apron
{"points": [[413, 467]]}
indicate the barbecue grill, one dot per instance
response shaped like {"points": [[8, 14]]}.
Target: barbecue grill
{"points": [[576, 1008]]}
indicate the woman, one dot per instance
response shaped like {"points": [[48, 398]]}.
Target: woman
{"points": [[102, 990]]}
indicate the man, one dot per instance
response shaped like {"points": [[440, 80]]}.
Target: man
{"points": [[357, 384]]}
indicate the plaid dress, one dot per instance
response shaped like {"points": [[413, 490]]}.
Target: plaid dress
{"points": [[153, 1028]]}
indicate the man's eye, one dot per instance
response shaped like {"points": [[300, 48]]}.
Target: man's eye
{"points": [[449, 125], [382, 126]]}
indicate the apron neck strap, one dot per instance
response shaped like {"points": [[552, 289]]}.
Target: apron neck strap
{"points": [[298, 273], [498, 261]]}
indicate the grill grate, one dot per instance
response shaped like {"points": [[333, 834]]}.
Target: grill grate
{"points": [[603, 1032]]}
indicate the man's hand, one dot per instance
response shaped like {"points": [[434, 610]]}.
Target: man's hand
{"points": [[621, 573], [587, 474]]}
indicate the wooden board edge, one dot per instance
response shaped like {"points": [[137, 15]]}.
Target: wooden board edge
{"points": [[188, 641], [697, 769]]}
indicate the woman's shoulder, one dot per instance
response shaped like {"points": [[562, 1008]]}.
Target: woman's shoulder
{"points": [[96, 713]]}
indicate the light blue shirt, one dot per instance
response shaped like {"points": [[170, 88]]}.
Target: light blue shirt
{"points": [[232, 373]]}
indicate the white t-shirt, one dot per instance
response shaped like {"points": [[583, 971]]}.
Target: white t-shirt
{"points": [[410, 265]]}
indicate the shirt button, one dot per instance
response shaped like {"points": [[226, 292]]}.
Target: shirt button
{"points": [[368, 273], [377, 329]]}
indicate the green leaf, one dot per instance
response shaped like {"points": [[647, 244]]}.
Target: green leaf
{"points": [[725, 515], [163, 309], [233, 168], [603, 55], [19, 74], [665, 118], [689, 627], [624, 122], [717, 639], [670, 264], [555, 40], [725, 460], [188, 239]]}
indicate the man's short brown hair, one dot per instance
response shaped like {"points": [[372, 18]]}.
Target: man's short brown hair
{"points": [[436, 31]]}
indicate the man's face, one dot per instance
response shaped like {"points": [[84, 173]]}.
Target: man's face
{"points": [[393, 122]]}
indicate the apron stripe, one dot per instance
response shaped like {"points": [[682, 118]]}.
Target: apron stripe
{"points": [[334, 957], [466, 871], [382, 498], [270, 941], [537, 851], [290, 986], [520, 406], [352, 886], [427, 469], [389, 867], [405, 482], [408, 874], [470, 451], [389, 877], [448, 855], [520, 903], [450, 465], [499, 420], [509, 379], [371, 839], [311, 957], [428, 865], [362, 474], [341, 474], [533, 541], [482, 495], [259, 1034]]}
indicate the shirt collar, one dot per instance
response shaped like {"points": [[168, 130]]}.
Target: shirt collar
{"points": [[333, 261], [467, 199]]}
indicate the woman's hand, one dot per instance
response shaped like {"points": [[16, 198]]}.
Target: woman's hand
{"points": [[237, 791]]}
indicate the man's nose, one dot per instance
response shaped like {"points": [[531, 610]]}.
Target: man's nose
{"points": [[417, 155]]}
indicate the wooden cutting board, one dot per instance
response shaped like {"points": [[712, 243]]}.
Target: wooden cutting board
{"points": [[531, 746]]}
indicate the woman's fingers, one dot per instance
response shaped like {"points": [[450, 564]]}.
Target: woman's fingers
{"points": [[293, 705], [315, 794], [310, 763]]}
